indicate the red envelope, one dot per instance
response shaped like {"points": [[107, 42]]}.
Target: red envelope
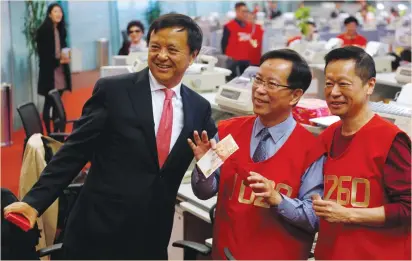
{"points": [[308, 109], [18, 220]]}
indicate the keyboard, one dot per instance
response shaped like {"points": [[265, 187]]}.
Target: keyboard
{"points": [[390, 108]]}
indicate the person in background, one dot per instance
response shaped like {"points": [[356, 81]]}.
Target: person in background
{"points": [[256, 38], [272, 10], [405, 56], [135, 30], [264, 209], [236, 40], [351, 36], [338, 10], [366, 211], [394, 16], [256, 8], [311, 34], [365, 16], [54, 69]]}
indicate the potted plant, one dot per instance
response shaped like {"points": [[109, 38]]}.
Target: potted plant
{"points": [[302, 15], [35, 13], [33, 18], [153, 11]]}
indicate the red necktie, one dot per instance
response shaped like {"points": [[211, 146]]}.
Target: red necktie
{"points": [[164, 132]]}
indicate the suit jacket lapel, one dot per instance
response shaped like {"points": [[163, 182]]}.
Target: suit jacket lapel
{"points": [[188, 117], [141, 99]]}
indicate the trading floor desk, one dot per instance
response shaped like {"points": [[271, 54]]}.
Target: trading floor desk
{"points": [[190, 203], [191, 220]]}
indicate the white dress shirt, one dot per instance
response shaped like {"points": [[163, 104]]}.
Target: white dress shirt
{"points": [[158, 97]]}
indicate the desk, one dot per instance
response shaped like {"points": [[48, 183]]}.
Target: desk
{"points": [[193, 204], [387, 79], [191, 220]]}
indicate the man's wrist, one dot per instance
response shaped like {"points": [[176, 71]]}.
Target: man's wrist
{"points": [[275, 199], [351, 217]]}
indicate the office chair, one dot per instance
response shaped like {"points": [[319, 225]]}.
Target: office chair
{"points": [[192, 249], [32, 123], [17, 244], [34, 160], [59, 113], [69, 196]]}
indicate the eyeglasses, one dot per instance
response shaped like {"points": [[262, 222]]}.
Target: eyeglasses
{"points": [[135, 31], [257, 81]]}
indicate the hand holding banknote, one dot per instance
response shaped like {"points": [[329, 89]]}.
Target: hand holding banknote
{"points": [[201, 145], [216, 156]]}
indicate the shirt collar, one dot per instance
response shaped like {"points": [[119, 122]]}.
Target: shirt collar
{"points": [[241, 23], [155, 85], [277, 131]]}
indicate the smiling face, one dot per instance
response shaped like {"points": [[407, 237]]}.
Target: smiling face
{"points": [[272, 103], [56, 15], [346, 94], [135, 34], [169, 55]]}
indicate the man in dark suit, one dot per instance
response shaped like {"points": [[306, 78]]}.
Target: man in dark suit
{"points": [[134, 130]]}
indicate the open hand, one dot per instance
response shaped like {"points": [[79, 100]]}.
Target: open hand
{"points": [[201, 146]]}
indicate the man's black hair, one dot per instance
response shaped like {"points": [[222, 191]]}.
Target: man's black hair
{"points": [[300, 76], [194, 33], [239, 4], [351, 19], [135, 23], [364, 64]]}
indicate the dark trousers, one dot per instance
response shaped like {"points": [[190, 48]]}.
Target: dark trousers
{"points": [[237, 68], [48, 104]]}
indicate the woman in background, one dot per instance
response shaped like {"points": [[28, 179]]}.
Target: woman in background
{"points": [[135, 30], [54, 67]]}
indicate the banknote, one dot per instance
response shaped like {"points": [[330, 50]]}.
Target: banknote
{"points": [[213, 159]]}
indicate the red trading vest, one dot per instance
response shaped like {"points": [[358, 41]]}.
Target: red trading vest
{"points": [[256, 53], [354, 179], [236, 48], [245, 224]]}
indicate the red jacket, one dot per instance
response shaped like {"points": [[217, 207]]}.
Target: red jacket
{"points": [[238, 45], [359, 40]]}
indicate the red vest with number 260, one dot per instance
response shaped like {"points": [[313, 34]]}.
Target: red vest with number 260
{"points": [[354, 180]]}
